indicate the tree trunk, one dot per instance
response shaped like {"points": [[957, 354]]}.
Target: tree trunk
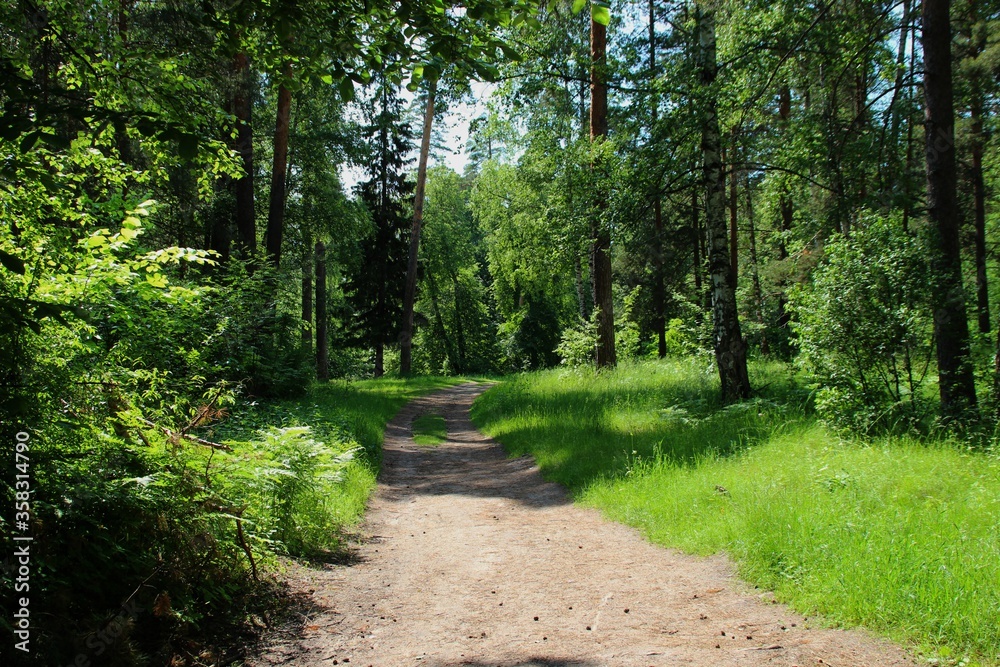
{"points": [[307, 291], [449, 350], [785, 206], [276, 211], [459, 329], [758, 293], [410, 289], [600, 249], [951, 326], [379, 359], [979, 197], [977, 43], [246, 217], [908, 169], [122, 141], [220, 235], [322, 347], [696, 238], [659, 291], [730, 348], [734, 205], [904, 29], [581, 293]]}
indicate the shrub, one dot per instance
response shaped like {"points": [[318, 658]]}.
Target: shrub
{"points": [[865, 328]]}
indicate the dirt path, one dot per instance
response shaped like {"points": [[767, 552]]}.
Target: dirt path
{"points": [[470, 558]]}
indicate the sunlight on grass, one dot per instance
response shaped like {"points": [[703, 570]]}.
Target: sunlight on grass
{"points": [[342, 415], [897, 535], [429, 430]]}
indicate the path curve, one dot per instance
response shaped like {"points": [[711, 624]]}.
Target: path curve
{"points": [[470, 558]]}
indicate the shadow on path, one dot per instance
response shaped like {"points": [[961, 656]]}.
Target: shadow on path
{"points": [[467, 464]]}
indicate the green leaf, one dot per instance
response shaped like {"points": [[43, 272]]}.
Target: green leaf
{"points": [[510, 53], [346, 87], [55, 141], [600, 14], [11, 263], [187, 146], [29, 141], [578, 6], [327, 79], [156, 280]]}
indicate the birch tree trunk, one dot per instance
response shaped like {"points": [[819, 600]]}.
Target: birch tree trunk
{"points": [[659, 291], [730, 348]]}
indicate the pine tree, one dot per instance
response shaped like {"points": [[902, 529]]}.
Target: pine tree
{"points": [[375, 290]]}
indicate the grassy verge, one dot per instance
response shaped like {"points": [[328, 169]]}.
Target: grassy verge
{"points": [[304, 468], [429, 430], [899, 536]]}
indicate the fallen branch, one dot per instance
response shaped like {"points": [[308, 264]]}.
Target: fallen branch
{"points": [[174, 435], [246, 548]]}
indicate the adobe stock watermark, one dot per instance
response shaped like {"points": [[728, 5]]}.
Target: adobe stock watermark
{"points": [[101, 641], [19, 566], [21, 562]]}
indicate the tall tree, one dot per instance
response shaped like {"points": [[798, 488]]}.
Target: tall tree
{"points": [[279, 166], [241, 107], [374, 289], [951, 326], [730, 347], [410, 289], [600, 235], [659, 291], [974, 69], [322, 344]]}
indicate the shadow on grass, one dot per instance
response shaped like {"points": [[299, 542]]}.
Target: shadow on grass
{"points": [[584, 426]]}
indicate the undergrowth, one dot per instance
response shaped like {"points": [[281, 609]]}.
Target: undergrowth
{"points": [[303, 469], [898, 535], [155, 548]]}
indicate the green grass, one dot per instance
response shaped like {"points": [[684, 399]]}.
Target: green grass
{"points": [[429, 430], [342, 416], [896, 535]]}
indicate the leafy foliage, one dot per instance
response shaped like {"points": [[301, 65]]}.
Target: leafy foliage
{"points": [[865, 327]]}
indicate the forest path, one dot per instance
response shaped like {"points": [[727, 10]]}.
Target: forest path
{"points": [[470, 558]]}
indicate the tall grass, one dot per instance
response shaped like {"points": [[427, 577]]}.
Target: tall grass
{"points": [[897, 535]]}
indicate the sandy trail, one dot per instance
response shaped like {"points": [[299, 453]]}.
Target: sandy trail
{"points": [[470, 558]]}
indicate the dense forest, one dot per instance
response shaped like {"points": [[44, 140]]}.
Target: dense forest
{"points": [[211, 208]]}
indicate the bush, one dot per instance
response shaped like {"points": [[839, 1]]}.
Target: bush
{"points": [[577, 344], [865, 328], [288, 487]]}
